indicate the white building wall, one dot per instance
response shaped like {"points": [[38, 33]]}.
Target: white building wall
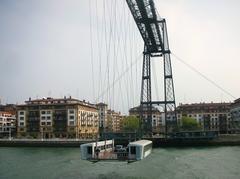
{"points": [[22, 118], [46, 117], [71, 117]]}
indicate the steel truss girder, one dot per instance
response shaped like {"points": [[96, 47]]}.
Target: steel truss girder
{"points": [[148, 23]]}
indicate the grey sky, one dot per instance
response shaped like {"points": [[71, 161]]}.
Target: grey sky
{"points": [[45, 49]]}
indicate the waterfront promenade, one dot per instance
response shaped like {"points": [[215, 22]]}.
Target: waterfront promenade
{"points": [[43, 142], [222, 140]]}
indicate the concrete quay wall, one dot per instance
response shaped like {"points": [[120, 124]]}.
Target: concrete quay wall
{"points": [[42, 143], [223, 140]]}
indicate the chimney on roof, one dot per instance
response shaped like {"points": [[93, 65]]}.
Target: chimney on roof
{"points": [[64, 97], [29, 99], [70, 97]]}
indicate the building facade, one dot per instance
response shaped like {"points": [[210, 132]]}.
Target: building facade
{"points": [[157, 122], [114, 121], [109, 120], [235, 116], [10, 108], [102, 113], [57, 118], [211, 116], [7, 124]]}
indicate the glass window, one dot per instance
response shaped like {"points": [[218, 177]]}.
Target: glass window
{"points": [[43, 112], [49, 123], [133, 150], [42, 123], [21, 124], [71, 117], [71, 111], [21, 118]]}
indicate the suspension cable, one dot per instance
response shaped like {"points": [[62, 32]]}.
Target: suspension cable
{"points": [[120, 77], [91, 48], [203, 76]]}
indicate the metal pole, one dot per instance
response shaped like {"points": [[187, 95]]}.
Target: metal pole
{"points": [[10, 133]]}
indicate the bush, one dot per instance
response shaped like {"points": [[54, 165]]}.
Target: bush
{"points": [[130, 123], [190, 124]]}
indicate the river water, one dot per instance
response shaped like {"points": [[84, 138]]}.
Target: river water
{"points": [[182, 163]]}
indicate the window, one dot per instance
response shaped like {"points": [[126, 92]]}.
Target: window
{"points": [[21, 118], [49, 123], [71, 117], [48, 117], [48, 112], [89, 150], [21, 124], [71, 123], [43, 112], [21, 113], [147, 147], [43, 117], [71, 111], [42, 123], [133, 150]]}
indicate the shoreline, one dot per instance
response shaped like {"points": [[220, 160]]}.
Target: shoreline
{"points": [[223, 140]]}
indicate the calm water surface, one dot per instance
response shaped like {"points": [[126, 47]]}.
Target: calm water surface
{"points": [[216, 162]]}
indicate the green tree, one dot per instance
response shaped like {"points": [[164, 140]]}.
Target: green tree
{"points": [[130, 123], [190, 124]]}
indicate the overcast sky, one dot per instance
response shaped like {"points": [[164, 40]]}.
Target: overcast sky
{"points": [[45, 49]]}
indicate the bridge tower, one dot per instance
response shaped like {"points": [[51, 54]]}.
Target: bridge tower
{"points": [[153, 30]]}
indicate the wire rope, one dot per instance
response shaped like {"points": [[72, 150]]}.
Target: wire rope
{"points": [[203, 76], [91, 47]]}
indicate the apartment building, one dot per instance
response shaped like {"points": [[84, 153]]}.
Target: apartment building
{"points": [[235, 116], [114, 121], [211, 116], [158, 118], [57, 118], [109, 120], [7, 124], [102, 113]]}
